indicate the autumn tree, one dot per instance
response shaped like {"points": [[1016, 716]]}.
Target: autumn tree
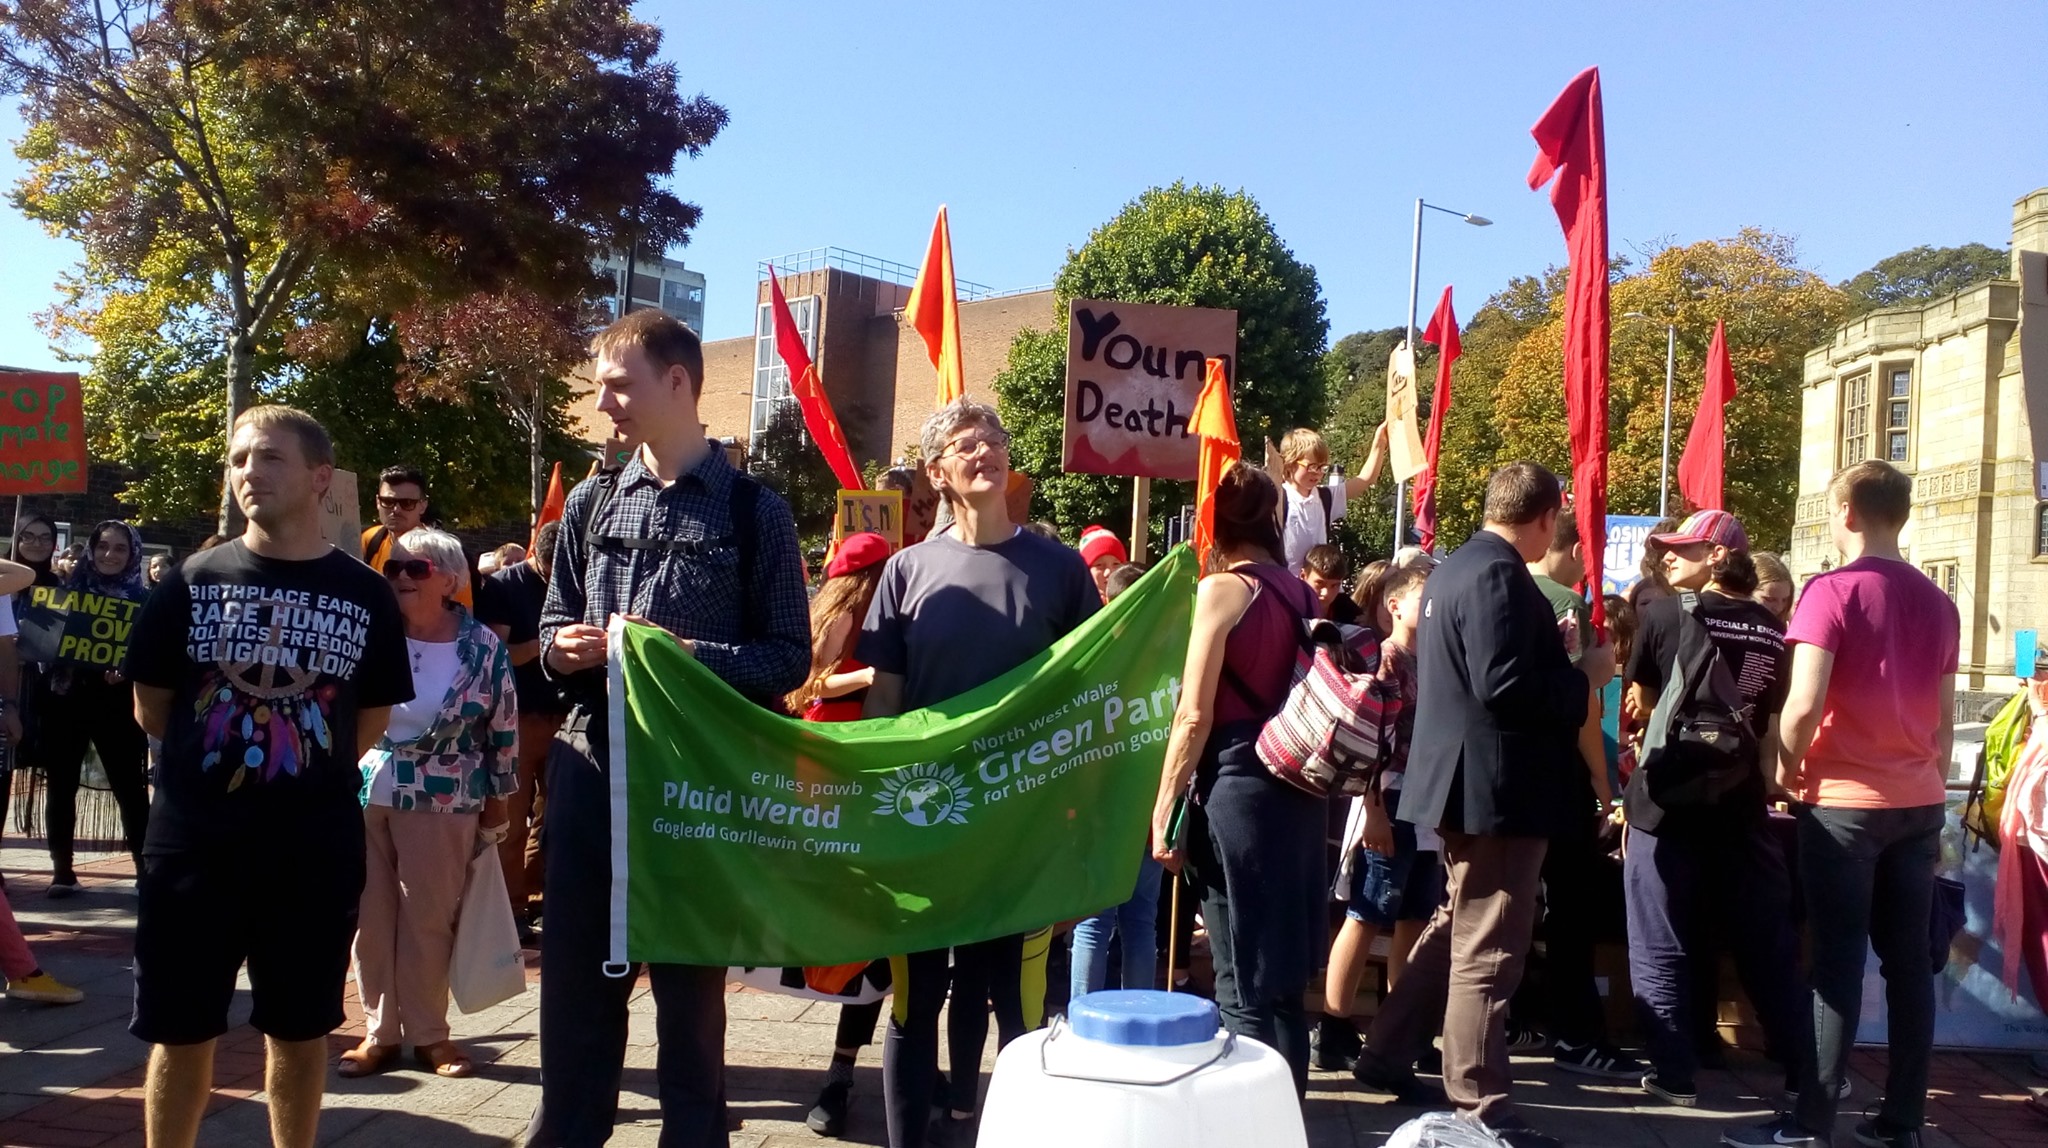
{"points": [[221, 161], [1355, 370], [1775, 312], [1187, 246], [1922, 273]]}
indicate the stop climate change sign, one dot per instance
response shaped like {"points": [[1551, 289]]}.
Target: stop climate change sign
{"points": [[1134, 371]]}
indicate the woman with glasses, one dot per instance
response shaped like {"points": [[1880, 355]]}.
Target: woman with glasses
{"points": [[94, 706], [434, 797]]}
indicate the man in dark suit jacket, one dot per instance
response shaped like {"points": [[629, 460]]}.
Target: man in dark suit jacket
{"points": [[1494, 768]]}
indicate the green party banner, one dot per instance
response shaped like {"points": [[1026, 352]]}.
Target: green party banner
{"points": [[744, 838]]}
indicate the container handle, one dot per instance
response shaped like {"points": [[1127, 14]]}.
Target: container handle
{"points": [[1059, 1024]]}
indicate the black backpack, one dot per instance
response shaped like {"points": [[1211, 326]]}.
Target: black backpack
{"points": [[1699, 746]]}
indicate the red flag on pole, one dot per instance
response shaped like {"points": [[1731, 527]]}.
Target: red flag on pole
{"points": [[1443, 332], [819, 420], [1571, 149], [934, 310], [1213, 422], [1700, 467], [550, 508]]}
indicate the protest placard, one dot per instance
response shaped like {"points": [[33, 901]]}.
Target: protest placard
{"points": [[1134, 371], [870, 511], [1404, 417], [341, 513], [42, 433], [76, 627]]}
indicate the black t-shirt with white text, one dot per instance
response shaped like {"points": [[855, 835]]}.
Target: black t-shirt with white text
{"points": [[1751, 642], [268, 662]]}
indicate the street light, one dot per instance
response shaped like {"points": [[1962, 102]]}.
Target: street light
{"points": [[1670, 363], [1415, 285]]}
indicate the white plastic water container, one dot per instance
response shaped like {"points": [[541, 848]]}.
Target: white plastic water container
{"points": [[1140, 1069]]}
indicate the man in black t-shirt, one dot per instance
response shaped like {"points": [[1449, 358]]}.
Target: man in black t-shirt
{"points": [[266, 665], [510, 602], [1710, 869]]}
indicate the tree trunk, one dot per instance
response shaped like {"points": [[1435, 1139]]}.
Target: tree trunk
{"points": [[241, 396]]}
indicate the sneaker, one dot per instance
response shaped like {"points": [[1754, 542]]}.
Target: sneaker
{"points": [[1525, 1038], [1782, 1132], [1878, 1133], [61, 888], [1685, 1094], [1335, 1042], [1402, 1086], [828, 1115], [41, 986], [1597, 1060], [1843, 1090]]}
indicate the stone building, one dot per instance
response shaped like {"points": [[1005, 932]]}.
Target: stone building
{"points": [[873, 365], [1935, 388]]}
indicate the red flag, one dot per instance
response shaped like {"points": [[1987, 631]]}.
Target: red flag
{"points": [[810, 395], [934, 310], [1213, 422], [1571, 146], [1443, 332], [550, 508], [1700, 467]]}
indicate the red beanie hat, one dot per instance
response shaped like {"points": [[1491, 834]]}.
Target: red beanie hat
{"points": [[857, 552], [1097, 543]]}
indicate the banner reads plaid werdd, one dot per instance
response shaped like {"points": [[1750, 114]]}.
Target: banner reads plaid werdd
{"points": [[743, 838]]}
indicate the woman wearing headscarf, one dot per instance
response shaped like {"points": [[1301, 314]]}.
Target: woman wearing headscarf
{"points": [[95, 706], [434, 798]]}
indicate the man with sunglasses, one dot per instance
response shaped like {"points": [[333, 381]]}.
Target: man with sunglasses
{"points": [[401, 507], [679, 539]]}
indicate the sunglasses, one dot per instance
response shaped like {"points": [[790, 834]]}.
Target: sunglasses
{"points": [[413, 568], [407, 504]]}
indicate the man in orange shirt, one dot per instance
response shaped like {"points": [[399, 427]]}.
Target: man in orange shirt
{"points": [[401, 506]]}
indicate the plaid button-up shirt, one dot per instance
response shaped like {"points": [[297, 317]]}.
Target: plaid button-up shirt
{"points": [[751, 627]]}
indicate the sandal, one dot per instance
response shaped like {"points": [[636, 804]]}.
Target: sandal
{"points": [[445, 1059], [367, 1059]]}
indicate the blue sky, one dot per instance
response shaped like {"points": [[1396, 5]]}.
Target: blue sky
{"points": [[1859, 128]]}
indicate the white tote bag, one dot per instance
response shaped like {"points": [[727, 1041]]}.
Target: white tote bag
{"points": [[486, 967]]}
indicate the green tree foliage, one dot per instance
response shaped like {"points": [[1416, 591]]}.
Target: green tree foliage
{"points": [[787, 462], [220, 161], [1924, 273], [1187, 246], [1355, 369]]}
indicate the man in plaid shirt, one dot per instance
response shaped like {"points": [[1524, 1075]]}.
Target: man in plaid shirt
{"points": [[682, 541]]}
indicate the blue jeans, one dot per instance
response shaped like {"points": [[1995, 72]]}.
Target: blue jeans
{"points": [[1134, 921]]}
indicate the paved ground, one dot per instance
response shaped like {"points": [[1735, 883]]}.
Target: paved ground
{"points": [[69, 1077]]}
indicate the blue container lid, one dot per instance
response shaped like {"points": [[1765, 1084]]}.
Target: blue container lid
{"points": [[1143, 1018]]}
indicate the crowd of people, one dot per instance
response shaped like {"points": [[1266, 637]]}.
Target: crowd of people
{"points": [[341, 735]]}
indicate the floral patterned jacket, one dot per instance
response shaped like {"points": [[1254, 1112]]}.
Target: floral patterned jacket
{"points": [[471, 751]]}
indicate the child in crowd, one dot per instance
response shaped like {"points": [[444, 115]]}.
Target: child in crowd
{"points": [[1325, 570], [1103, 553], [1313, 499], [1398, 879]]}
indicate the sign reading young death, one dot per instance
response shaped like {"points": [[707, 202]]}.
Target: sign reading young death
{"points": [[75, 627], [42, 433], [1134, 371]]}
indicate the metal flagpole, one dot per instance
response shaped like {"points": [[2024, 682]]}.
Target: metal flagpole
{"points": [[1664, 471], [1414, 285]]}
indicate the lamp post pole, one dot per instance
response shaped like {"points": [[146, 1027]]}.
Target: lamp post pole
{"points": [[1414, 289], [1664, 468]]}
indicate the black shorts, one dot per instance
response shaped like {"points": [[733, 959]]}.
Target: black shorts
{"points": [[290, 912]]}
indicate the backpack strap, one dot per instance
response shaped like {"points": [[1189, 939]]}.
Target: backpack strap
{"points": [[378, 538], [743, 508], [1323, 495]]}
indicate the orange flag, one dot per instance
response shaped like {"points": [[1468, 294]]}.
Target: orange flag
{"points": [[934, 309], [550, 508], [1215, 425]]}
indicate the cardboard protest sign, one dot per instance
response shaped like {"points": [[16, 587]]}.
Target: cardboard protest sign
{"points": [[870, 511], [1134, 371], [341, 513], [42, 433], [1405, 455], [75, 627]]}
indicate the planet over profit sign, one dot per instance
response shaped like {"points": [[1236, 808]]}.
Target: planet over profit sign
{"points": [[1134, 371]]}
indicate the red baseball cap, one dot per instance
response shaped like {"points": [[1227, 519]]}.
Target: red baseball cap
{"points": [[857, 552], [1716, 526]]}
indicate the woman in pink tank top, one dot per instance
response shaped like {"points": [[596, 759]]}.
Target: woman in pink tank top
{"points": [[1252, 845]]}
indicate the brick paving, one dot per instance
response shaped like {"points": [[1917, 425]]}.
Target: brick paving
{"points": [[71, 1077]]}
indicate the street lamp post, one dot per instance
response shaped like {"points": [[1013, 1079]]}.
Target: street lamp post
{"points": [[1415, 285], [1670, 368]]}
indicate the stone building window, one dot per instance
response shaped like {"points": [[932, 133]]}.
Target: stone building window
{"points": [[2041, 530], [1855, 441], [1898, 420], [1945, 575]]}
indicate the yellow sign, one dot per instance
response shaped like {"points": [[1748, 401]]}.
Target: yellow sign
{"points": [[870, 511]]}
